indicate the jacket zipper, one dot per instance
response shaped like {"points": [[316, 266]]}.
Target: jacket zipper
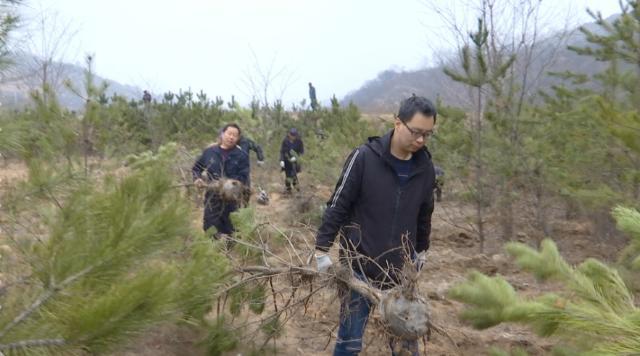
{"points": [[396, 207]]}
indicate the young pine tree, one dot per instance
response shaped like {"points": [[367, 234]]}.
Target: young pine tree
{"points": [[595, 314]]}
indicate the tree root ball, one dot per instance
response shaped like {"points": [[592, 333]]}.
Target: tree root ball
{"points": [[231, 190], [406, 318]]}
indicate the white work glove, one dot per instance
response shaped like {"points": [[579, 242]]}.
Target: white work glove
{"points": [[199, 183], [421, 260], [260, 163], [292, 159], [281, 164], [323, 261]]}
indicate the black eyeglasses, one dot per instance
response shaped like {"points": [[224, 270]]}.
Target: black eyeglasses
{"points": [[417, 134]]}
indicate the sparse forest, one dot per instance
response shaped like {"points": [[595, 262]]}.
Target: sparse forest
{"points": [[535, 245]]}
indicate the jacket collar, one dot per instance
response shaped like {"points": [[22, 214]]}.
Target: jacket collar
{"points": [[382, 147], [218, 149]]}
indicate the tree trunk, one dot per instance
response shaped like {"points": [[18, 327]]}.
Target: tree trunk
{"points": [[506, 212], [541, 211], [480, 192]]}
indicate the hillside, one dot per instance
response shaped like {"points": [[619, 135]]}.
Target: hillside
{"points": [[18, 80], [383, 93]]}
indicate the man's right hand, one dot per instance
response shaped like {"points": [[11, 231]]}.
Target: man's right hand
{"points": [[281, 164], [323, 261]]}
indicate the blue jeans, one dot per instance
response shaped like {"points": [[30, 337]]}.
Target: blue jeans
{"points": [[354, 314]]}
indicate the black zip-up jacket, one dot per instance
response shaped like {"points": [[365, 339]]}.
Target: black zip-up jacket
{"points": [[287, 146], [247, 144], [235, 166], [373, 210]]}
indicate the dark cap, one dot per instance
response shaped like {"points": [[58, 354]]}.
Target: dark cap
{"points": [[293, 131]]}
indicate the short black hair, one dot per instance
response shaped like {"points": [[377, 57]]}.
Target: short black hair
{"points": [[414, 104], [225, 127]]}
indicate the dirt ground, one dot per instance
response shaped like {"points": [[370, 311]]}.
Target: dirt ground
{"points": [[454, 252]]}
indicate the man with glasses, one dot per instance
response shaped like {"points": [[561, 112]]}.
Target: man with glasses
{"points": [[382, 207]]}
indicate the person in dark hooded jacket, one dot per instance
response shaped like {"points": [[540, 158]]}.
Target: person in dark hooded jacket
{"points": [[146, 97], [313, 98], [291, 149], [439, 183], [226, 160], [382, 206], [247, 144]]}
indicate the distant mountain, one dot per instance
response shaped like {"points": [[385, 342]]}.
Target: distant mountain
{"points": [[18, 80], [382, 94]]}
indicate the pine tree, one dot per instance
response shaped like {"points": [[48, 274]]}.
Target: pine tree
{"points": [[479, 73], [109, 261], [595, 314], [617, 43]]}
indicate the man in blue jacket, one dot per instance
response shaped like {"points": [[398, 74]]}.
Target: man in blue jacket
{"points": [[246, 144], [225, 160], [385, 192]]}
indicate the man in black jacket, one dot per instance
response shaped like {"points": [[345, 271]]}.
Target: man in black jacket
{"points": [[291, 149], [247, 144], [313, 98], [439, 182], [146, 97], [217, 161], [384, 196]]}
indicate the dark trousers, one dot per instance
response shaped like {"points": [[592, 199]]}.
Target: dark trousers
{"points": [[216, 213], [291, 175]]}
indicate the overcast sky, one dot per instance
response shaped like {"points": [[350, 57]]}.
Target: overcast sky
{"points": [[215, 45]]}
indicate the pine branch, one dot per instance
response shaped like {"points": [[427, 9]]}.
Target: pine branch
{"points": [[628, 220], [43, 298], [33, 343], [597, 312], [544, 264]]}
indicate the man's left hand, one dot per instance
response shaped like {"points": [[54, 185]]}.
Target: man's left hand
{"points": [[260, 163], [421, 260]]}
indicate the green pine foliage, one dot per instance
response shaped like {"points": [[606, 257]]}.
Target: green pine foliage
{"points": [[249, 231], [252, 296], [628, 221], [11, 136], [452, 146], [595, 118], [8, 23], [491, 298], [595, 314], [106, 266], [46, 132], [273, 327], [544, 264], [220, 338]]}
